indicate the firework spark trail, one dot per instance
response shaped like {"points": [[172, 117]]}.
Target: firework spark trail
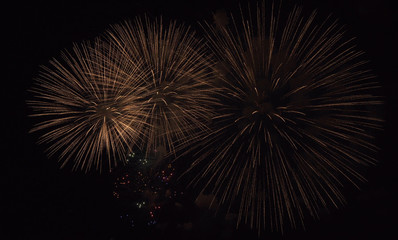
{"points": [[90, 104], [179, 86], [294, 117]]}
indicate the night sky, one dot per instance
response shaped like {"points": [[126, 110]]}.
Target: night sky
{"points": [[45, 202]]}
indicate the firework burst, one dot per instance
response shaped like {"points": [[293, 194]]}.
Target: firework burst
{"points": [[90, 104], [294, 117], [178, 87]]}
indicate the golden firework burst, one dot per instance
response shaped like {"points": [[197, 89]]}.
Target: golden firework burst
{"points": [[294, 117], [90, 104], [179, 87]]}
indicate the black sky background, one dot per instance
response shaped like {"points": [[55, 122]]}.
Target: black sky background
{"points": [[44, 202]]}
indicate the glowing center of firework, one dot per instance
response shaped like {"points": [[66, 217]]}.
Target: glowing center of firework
{"points": [[258, 109], [105, 110], [259, 104], [162, 97], [265, 107]]}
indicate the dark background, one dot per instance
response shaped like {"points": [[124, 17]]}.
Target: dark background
{"points": [[44, 202]]}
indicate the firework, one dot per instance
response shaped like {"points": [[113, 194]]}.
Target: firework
{"points": [[294, 120], [142, 190], [178, 87], [91, 105]]}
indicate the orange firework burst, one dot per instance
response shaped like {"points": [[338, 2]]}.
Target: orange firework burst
{"points": [[90, 103], [178, 86], [294, 121]]}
